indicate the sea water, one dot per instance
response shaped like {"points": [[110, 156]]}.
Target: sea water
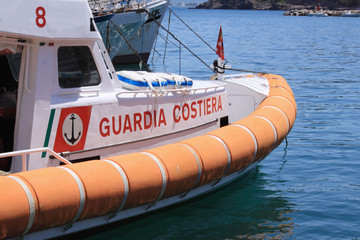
{"points": [[308, 188]]}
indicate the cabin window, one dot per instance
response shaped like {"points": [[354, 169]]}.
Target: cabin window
{"points": [[9, 69], [77, 67]]}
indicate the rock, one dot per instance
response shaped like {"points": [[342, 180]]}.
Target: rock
{"points": [[328, 13]]}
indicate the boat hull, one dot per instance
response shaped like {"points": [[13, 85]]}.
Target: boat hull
{"points": [[138, 28], [95, 193]]}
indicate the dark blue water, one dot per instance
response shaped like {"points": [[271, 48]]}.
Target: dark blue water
{"points": [[309, 190]]}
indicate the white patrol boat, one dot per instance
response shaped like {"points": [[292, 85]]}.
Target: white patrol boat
{"points": [[89, 146]]}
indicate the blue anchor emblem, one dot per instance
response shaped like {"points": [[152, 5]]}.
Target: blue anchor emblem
{"points": [[72, 140]]}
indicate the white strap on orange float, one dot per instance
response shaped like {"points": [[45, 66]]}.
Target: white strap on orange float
{"points": [[278, 109], [163, 175], [252, 136], [287, 100], [227, 152], [126, 186], [31, 200], [82, 196], [198, 163], [272, 126], [284, 98]]}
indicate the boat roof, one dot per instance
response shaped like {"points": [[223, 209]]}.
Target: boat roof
{"points": [[54, 19]]}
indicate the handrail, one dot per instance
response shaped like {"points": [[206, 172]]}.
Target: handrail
{"points": [[240, 75], [170, 90], [96, 91], [23, 153]]}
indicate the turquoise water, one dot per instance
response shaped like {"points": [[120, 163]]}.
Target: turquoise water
{"points": [[307, 190]]}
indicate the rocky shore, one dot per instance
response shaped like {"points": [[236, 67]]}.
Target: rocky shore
{"points": [[285, 5], [325, 13]]}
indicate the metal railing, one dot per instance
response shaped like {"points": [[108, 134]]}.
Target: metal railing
{"points": [[23, 153], [166, 91]]}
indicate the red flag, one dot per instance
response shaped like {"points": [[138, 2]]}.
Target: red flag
{"points": [[220, 46], [318, 6]]}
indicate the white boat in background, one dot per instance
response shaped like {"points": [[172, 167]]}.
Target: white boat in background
{"points": [[351, 14], [138, 23]]}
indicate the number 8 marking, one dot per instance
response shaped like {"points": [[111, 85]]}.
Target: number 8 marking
{"points": [[40, 17]]}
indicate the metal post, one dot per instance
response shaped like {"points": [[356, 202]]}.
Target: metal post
{"points": [[23, 162]]}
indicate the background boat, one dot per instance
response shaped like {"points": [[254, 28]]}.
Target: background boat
{"points": [[138, 23], [351, 14]]}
